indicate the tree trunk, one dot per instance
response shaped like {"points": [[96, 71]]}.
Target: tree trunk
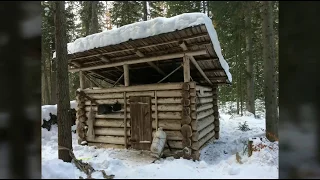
{"points": [[269, 72], [94, 28], [145, 10], [54, 82], [249, 73], [47, 83], [241, 91], [64, 118]]}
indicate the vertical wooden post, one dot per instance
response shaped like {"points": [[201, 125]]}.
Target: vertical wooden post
{"points": [[125, 120], [81, 77], [126, 75], [156, 110], [186, 69]]}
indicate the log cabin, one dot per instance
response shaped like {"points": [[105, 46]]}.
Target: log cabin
{"points": [[164, 72]]}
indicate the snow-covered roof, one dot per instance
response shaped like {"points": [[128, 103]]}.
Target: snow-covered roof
{"points": [[149, 28]]}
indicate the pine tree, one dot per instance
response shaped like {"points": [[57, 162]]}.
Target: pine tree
{"points": [[126, 12], [157, 8], [270, 87], [180, 7], [64, 121], [249, 71]]}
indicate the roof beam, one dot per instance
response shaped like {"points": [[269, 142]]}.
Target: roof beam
{"points": [[142, 60], [104, 78], [184, 47], [143, 47], [140, 54]]}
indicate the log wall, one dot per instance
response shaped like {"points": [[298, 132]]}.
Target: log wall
{"points": [[186, 112], [167, 112], [203, 127]]}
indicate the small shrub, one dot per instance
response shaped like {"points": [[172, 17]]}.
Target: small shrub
{"points": [[244, 127]]}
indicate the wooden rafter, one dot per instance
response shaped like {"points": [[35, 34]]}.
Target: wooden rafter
{"points": [[184, 47], [143, 60], [140, 54], [142, 47]]}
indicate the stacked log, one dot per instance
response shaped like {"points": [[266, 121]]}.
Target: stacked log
{"points": [[166, 107], [186, 118], [216, 112], [81, 117], [203, 127]]}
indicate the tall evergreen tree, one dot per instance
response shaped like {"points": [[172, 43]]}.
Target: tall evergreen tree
{"points": [[156, 8], [64, 121], [270, 87], [126, 12]]}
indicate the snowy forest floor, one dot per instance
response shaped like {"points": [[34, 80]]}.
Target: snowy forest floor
{"points": [[217, 160]]}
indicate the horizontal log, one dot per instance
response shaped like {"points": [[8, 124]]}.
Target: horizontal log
{"points": [[174, 145], [204, 100], [110, 123], [147, 87], [141, 60], [198, 125], [171, 135], [203, 88], [168, 124], [203, 107], [164, 108], [205, 94], [160, 101], [198, 145], [204, 114], [170, 93], [217, 128], [200, 134], [107, 146], [110, 131], [107, 139], [161, 115]]}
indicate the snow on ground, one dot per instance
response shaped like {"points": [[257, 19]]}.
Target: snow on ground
{"points": [[149, 28], [218, 159], [46, 109]]}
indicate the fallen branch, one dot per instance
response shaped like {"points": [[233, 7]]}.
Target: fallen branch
{"points": [[85, 167]]}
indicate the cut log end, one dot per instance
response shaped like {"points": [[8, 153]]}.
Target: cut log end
{"points": [[186, 131]]}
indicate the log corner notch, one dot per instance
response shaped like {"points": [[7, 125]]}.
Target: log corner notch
{"points": [[81, 118], [186, 129]]}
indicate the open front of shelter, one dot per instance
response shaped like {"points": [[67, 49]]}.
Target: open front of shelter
{"points": [[163, 72]]}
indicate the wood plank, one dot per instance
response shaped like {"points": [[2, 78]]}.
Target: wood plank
{"points": [[161, 108], [142, 60], [141, 128]]}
